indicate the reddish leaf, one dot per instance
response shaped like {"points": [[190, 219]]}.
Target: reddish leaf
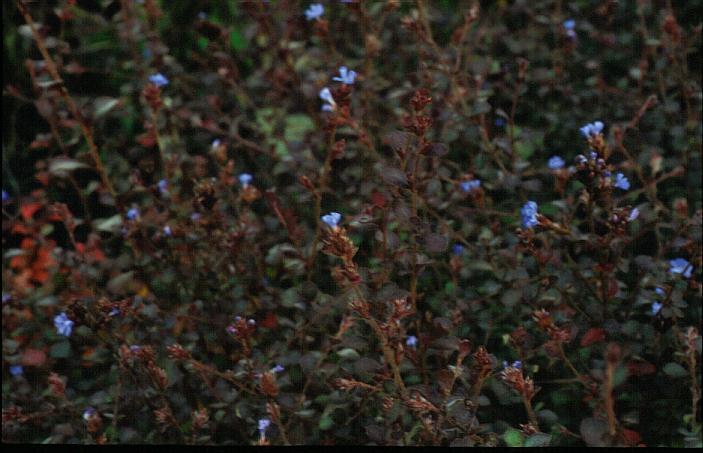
{"points": [[28, 210], [632, 438], [378, 199], [594, 335], [270, 321], [640, 368], [33, 357]]}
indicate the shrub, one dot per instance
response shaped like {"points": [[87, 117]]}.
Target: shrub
{"points": [[391, 223]]}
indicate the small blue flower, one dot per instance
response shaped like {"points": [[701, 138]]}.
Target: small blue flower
{"points": [[411, 341], [5, 196], [621, 182], [6, 297], [332, 219], [231, 330], [88, 413], [681, 266], [63, 325], [529, 214], [133, 214], [215, 143], [251, 322], [500, 121], [163, 186], [245, 179], [569, 24], [314, 11], [457, 249], [168, 231], [633, 215], [592, 129], [16, 370], [135, 348], [158, 79], [195, 216], [556, 163], [264, 423], [114, 312], [326, 95], [656, 307], [277, 369], [517, 364], [660, 291], [345, 76], [468, 186]]}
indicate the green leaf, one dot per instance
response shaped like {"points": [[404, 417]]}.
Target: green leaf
{"points": [[326, 422], [538, 440], [675, 370], [60, 350], [62, 166], [296, 126], [110, 224], [348, 354], [104, 105], [236, 40], [513, 438]]}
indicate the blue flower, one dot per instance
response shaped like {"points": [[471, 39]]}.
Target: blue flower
{"points": [[16, 370], [332, 219], [468, 186], [681, 266], [5, 196], [656, 307], [245, 179], [168, 231], [264, 423], [277, 369], [6, 297], [529, 215], [158, 79], [215, 143], [326, 95], [195, 216], [516, 364], [633, 215], [63, 325], [592, 129], [88, 413], [660, 291], [621, 182], [163, 186], [569, 24], [133, 214], [457, 249], [114, 312], [314, 11], [411, 341], [556, 163], [500, 122], [345, 76]]}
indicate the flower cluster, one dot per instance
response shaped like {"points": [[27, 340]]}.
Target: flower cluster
{"points": [[529, 215], [314, 11], [64, 326]]}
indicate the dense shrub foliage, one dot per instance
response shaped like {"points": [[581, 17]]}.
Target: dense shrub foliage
{"points": [[382, 222]]}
